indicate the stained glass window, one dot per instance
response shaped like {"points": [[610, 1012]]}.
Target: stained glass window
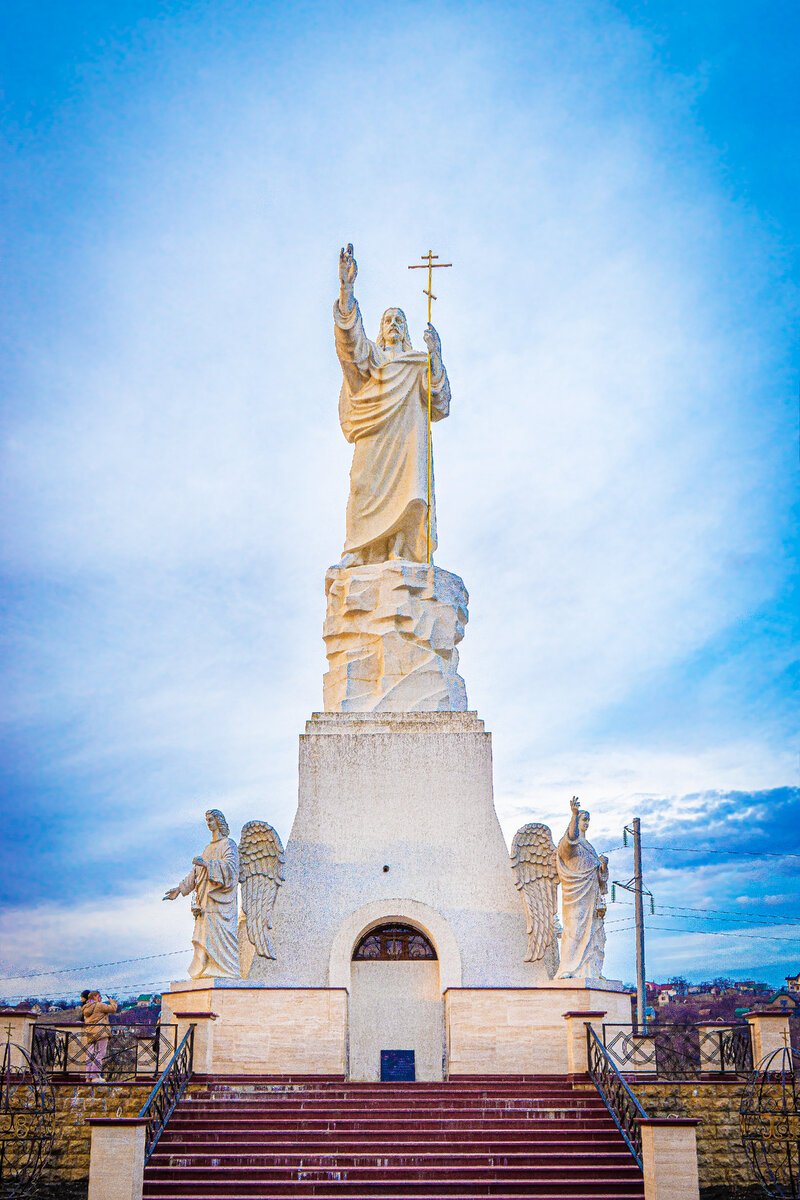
{"points": [[394, 943]]}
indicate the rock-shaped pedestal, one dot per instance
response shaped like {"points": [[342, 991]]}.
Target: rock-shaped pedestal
{"points": [[391, 631]]}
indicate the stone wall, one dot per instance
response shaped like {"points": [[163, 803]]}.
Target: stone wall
{"points": [[75, 1103], [721, 1159]]}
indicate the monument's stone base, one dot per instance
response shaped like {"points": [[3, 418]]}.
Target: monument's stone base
{"points": [[391, 632], [528, 1031], [242, 1029], [396, 822]]}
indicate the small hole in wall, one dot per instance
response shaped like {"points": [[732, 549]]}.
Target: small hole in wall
{"points": [[385, 867]]}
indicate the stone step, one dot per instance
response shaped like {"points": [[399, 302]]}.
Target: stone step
{"points": [[571, 1126], [399, 1189], [270, 1159], [490, 1141], [326, 1193]]}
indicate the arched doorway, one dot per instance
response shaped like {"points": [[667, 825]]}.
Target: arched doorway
{"points": [[395, 1004]]}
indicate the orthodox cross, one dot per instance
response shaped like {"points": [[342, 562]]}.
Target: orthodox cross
{"points": [[429, 265]]}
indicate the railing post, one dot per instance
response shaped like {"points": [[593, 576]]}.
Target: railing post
{"points": [[202, 1039], [18, 1026], [577, 1038], [710, 1039], [116, 1160], [669, 1158], [769, 1031]]}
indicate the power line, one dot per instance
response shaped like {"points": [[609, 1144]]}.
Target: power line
{"points": [[722, 914], [705, 850], [725, 933], [92, 966], [118, 987]]}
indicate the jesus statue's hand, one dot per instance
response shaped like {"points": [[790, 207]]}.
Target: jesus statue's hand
{"points": [[172, 894], [434, 344], [575, 804], [348, 267]]}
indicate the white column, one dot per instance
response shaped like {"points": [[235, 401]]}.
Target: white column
{"points": [[669, 1158], [116, 1162], [769, 1031], [577, 1051]]}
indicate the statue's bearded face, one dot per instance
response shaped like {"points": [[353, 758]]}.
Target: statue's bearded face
{"points": [[583, 821], [393, 327]]}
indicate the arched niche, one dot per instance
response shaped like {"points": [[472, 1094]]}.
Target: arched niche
{"points": [[408, 912]]}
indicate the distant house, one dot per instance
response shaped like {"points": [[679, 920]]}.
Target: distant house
{"points": [[782, 999], [793, 982], [145, 1001]]}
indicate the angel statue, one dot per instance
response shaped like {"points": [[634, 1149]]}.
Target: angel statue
{"points": [[214, 878], [584, 882], [260, 874], [533, 859]]}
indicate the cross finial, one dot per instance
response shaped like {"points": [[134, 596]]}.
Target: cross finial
{"points": [[430, 266]]}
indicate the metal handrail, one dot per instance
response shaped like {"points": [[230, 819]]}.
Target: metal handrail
{"points": [[165, 1095], [625, 1109], [135, 1051], [673, 1051]]}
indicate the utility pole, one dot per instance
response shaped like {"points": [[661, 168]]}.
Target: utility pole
{"points": [[641, 991], [636, 885]]}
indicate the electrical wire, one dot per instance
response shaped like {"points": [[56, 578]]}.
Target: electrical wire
{"points": [[722, 914], [92, 966], [745, 933], [706, 850]]}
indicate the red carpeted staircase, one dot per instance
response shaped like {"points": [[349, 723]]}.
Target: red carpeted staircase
{"points": [[501, 1136]]}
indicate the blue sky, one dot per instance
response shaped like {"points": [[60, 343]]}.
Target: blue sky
{"points": [[617, 187]]}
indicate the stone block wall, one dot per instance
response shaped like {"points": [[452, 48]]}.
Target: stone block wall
{"points": [[723, 1166], [75, 1103]]}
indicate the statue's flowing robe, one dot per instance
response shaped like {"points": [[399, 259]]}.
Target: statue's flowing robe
{"points": [[383, 409], [215, 886], [583, 881]]}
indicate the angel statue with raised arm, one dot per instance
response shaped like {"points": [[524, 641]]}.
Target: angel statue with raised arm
{"points": [[583, 874], [383, 406], [214, 878], [533, 859]]}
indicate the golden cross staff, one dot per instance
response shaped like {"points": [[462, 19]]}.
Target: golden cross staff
{"points": [[429, 265]]}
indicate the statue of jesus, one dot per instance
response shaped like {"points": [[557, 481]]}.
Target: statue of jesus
{"points": [[383, 412]]}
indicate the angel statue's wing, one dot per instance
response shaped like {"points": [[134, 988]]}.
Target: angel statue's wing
{"points": [[260, 875], [533, 859]]}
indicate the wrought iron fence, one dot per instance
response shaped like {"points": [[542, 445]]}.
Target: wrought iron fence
{"points": [[680, 1051], [128, 1051], [769, 1117], [27, 1122], [618, 1098], [168, 1091]]}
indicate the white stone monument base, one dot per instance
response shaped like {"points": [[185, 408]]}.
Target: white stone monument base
{"points": [[391, 631], [253, 1029], [525, 1031], [250, 1029]]}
